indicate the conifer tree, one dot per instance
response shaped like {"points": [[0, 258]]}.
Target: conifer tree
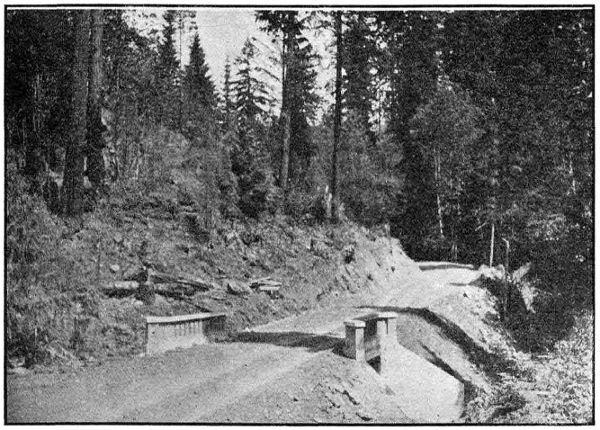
{"points": [[95, 141], [167, 72], [250, 93], [248, 159], [73, 179], [357, 64], [228, 106], [411, 66], [298, 85], [200, 90]]}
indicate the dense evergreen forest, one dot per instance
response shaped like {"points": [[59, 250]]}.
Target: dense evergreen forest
{"points": [[469, 134]]}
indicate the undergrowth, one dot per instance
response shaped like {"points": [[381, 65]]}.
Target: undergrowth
{"points": [[46, 287], [556, 389]]}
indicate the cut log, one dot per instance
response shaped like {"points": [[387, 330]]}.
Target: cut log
{"points": [[255, 283], [126, 288], [173, 290], [161, 286], [148, 281], [161, 277]]}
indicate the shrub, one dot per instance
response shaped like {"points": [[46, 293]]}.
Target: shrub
{"points": [[255, 179], [300, 203], [178, 172], [562, 254], [45, 283], [258, 192]]}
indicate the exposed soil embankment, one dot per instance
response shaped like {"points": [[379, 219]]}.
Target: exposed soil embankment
{"points": [[316, 265]]}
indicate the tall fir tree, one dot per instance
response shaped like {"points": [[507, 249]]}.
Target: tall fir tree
{"points": [[95, 140], [199, 88], [251, 95], [131, 89], [251, 98], [228, 104], [409, 59], [167, 73], [299, 99], [358, 64], [74, 159]]}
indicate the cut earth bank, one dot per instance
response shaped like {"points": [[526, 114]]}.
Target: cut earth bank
{"points": [[292, 370]]}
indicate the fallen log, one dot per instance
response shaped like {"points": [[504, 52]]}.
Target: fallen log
{"points": [[144, 291], [157, 277], [119, 289], [256, 283], [154, 273], [174, 289], [161, 282]]}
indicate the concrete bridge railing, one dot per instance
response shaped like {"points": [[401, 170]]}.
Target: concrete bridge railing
{"points": [[368, 336], [181, 331]]}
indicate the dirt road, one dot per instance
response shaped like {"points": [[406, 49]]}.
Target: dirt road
{"points": [[195, 384]]}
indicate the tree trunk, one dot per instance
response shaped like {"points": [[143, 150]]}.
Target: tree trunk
{"points": [[95, 160], [74, 162], [573, 188], [507, 257], [437, 175], [285, 118], [180, 101], [454, 246], [285, 156], [34, 157], [337, 122], [439, 214], [492, 244]]}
